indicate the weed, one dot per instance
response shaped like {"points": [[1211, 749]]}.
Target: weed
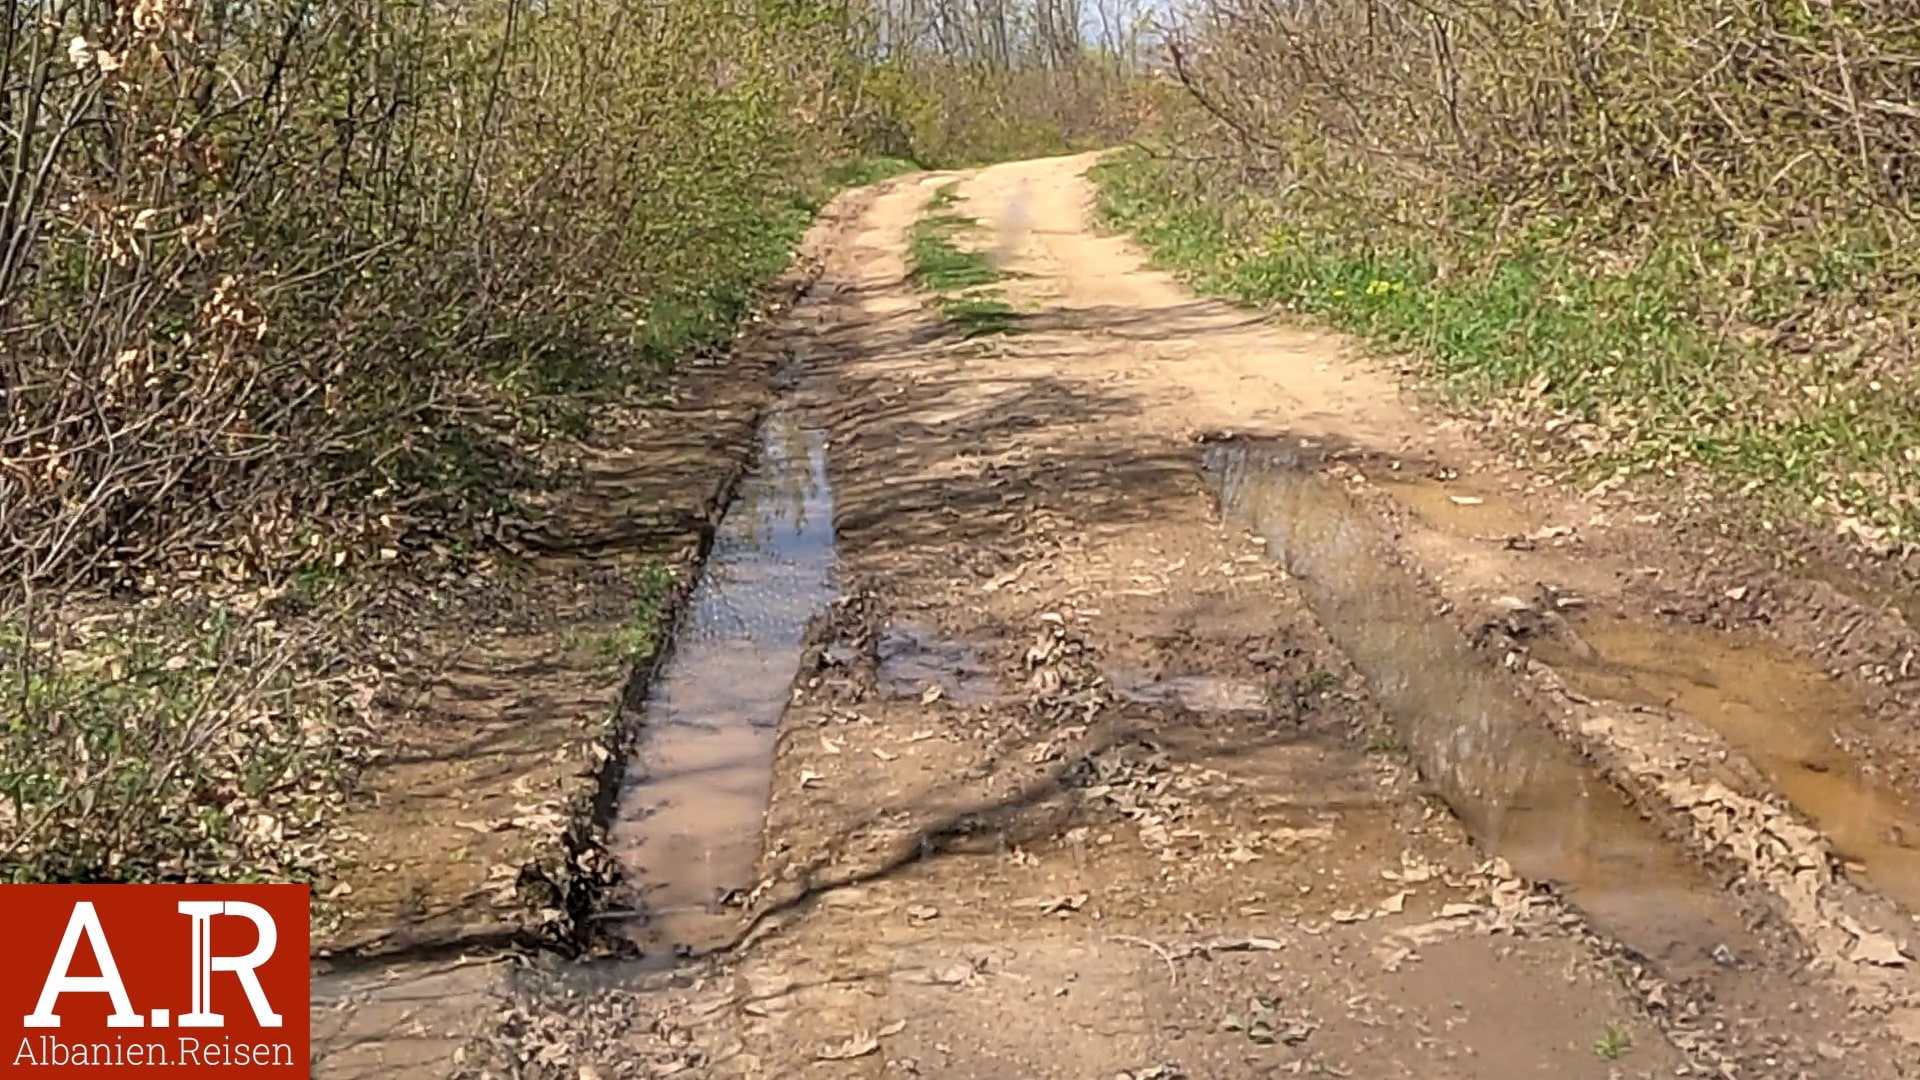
{"points": [[942, 266], [638, 639], [976, 316], [172, 744], [1613, 1043], [1617, 362], [859, 172], [317, 578]]}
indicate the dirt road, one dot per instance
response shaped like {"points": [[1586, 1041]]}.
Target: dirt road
{"points": [[1201, 704]]}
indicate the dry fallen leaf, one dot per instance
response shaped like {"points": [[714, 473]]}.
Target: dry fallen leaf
{"points": [[958, 973], [859, 1045], [1047, 905], [1877, 949]]}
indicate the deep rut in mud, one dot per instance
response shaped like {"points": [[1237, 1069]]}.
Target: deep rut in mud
{"points": [[688, 823], [1779, 712], [1521, 792]]}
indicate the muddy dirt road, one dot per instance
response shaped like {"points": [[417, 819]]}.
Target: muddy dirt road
{"points": [[1198, 703]]}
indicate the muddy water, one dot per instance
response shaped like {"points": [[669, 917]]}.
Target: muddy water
{"points": [[1455, 508], [1198, 692], [1776, 710], [688, 823], [915, 660], [1520, 791]]}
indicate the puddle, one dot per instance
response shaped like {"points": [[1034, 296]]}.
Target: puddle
{"points": [[1484, 515], [1194, 693], [688, 824], [914, 657], [400, 1019], [1777, 710], [1522, 793]]}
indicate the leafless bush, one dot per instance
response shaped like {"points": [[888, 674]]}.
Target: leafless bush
{"points": [[249, 254], [969, 81], [1775, 117]]}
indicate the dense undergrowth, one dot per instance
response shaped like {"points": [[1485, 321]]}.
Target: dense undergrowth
{"points": [[1661, 237]]}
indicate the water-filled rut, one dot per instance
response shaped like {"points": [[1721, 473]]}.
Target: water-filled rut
{"points": [[688, 824], [1521, 792]]}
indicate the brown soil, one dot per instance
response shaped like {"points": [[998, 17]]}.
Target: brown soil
{"points": [[1097, 772]]}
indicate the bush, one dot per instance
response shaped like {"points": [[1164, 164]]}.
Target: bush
{"points": [[255, 252], [288, 288]]}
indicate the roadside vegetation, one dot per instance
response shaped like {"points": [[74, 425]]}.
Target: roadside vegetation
{"points": [[964, 281], [1665, 238], [300, 303]]}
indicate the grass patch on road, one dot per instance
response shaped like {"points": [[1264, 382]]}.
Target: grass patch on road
{"points": [[964, 280], [1613, 370], [861, 171]]}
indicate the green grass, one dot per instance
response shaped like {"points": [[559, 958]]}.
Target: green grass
{"points": [[145, 747], [1613, 1043], [964, 280], [978, 316], [942, 266], [946, 198], [859, 172], [639, 638], [1623, 359]]}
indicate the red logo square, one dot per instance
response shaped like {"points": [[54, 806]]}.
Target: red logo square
{"points": [[155, 980]]}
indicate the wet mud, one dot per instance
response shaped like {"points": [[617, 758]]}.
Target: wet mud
{"points": [[915, 661]]}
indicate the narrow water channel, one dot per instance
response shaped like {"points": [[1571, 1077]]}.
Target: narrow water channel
{"points": [[1521, 792], [688, 824]]}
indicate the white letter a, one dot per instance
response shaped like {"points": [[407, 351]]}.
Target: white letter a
{"points": [[84, 920]]}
